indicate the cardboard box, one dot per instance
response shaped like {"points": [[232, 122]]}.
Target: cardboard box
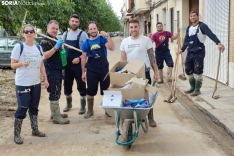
{"points": [[135, 66], [139, 90], [112, 98]]}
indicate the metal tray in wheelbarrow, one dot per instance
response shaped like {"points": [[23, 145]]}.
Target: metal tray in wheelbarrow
{"points": [[127, 113]]}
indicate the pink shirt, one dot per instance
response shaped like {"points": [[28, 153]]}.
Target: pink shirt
{"points": [[158, 38]]}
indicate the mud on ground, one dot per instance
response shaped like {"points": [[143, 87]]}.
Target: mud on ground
{"points": [[8, 101]]}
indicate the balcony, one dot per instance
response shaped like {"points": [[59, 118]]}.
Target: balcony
{"points": [[141, 6]]}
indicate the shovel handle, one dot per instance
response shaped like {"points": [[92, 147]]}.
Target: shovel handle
{"points": [[217, 75], [53, 39]]}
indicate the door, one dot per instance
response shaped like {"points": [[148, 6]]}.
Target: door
{"points": [[216, 16], [193, 6]]}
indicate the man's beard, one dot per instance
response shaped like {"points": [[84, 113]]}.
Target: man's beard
{"points": [[74, 28], [94, 34], [134, 34]]}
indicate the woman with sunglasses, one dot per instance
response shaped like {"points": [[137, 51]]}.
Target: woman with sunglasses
{"points": [[28, 66]]}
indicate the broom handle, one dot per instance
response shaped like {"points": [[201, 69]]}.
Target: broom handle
{"points": [[176, 69], [53, 39]]}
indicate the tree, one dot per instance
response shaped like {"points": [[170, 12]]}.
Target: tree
{"points": [[39, 15]]}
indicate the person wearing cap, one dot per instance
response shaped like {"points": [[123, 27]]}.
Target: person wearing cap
{"points": [[194, 40], [74, 37], [97, 66], [53, 65]]}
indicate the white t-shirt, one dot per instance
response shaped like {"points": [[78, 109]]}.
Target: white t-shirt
{"points": [[137, 48], [193, 31], [30, 75]]}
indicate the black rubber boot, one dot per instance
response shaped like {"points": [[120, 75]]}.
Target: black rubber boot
{"points": [[82, 105], [89, 113], [192, 85], [34, 126], [198, 84], [69, 103], [152, 123], [17, 130]]}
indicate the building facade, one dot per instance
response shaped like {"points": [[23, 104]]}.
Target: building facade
{"points": [[175, 13]]}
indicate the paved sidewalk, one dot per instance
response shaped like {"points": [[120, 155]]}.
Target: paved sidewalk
{"points": [[220, 110]]}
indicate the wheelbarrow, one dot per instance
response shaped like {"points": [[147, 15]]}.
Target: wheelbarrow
{"points": [[130, 118]]}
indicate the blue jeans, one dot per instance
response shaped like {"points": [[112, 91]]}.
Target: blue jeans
{"points": [[28, 99]]}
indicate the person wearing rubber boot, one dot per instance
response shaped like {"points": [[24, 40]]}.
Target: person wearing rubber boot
{"points": [[27, 59], [53, 65], [97, 66], [140, 47], [74, 37], [162, 51], [194, 40]]}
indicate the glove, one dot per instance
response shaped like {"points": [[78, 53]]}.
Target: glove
{"points": [[58, 44]]}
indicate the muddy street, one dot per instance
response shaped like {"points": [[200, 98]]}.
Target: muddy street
{"points": [[182, 130]]}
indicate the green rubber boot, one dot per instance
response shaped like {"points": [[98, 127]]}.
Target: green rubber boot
{"points": [[55, 111], [34, 126], [198, 84], [69, 103], [152, 123], [90, 101], [192, 85], [82, 105], [17, 130]]}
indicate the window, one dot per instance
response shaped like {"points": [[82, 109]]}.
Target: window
{"points": [[3, 44], [157, 18], [11, 42]]}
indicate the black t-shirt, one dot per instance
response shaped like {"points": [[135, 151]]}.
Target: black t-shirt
{"points": [[54, 62]]}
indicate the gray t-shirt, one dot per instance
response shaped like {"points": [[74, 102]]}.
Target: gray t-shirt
{"points": [[73, 36]]}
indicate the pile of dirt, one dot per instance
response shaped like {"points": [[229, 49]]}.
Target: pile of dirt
{"points": [[8, 101]]}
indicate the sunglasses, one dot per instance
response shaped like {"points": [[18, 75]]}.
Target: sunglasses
{"points": [[28, 31]]}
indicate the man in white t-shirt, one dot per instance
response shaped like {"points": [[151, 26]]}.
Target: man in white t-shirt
{"points": [[140, 47]]}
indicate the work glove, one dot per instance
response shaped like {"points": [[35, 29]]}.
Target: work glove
{"points": [[58, 44]]}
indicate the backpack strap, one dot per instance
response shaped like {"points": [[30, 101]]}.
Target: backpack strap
{"points": [[21, 48], [38, 47]]}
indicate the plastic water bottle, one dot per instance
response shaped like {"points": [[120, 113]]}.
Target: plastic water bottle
{"points": [[63, 57]]}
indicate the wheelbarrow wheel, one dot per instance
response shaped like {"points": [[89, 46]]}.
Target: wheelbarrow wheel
{"points": [[127, 133]]}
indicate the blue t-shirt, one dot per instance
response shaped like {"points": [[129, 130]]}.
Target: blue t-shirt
{"points": [[94, 44]]}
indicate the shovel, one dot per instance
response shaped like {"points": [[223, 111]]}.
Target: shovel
{"points": [[216, 81], [172, 96]]}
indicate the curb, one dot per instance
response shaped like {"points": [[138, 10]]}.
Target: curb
{"points": [[204, 107]]}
